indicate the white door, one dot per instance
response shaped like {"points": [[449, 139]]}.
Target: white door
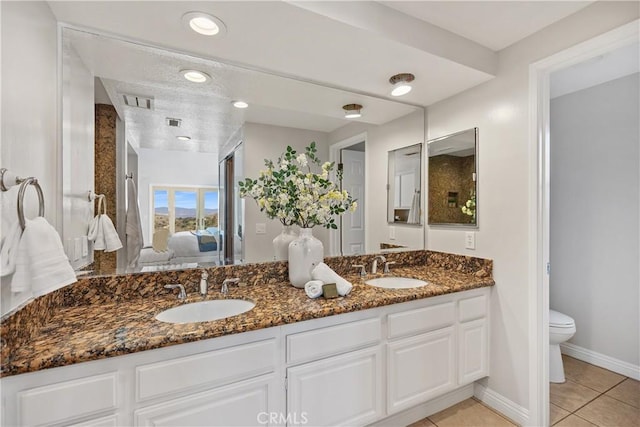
{"points": [[473, 351], [420, 368], [344, 390], [352, 223]]}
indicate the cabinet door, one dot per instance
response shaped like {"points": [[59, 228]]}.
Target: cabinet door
{"points": [[473, 351], [246, 403], [420, 368], [340, 390]]}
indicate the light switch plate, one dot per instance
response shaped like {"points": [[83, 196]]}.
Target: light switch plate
{"points": [[470, 240], [261, 228], [85, 246], [392, 233]]}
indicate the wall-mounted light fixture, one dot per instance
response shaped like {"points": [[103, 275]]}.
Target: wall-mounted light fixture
{"points": [[195, 76], [401, 83], [352, 111], [203, 23], [184, 138]]}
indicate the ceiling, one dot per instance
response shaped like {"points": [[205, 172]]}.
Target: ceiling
{"points": [[355, 45], [333, 53]]}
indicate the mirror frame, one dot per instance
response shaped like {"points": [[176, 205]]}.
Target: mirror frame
{"points": [[476, 163]]}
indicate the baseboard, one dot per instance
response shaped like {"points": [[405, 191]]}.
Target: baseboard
{"points": [[504, 406], [598, 359], [423, 410]]}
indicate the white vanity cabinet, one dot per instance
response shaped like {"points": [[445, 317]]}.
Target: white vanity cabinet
{"points": [[421, 354], [345, 388], [352, 369], [226, 381]]}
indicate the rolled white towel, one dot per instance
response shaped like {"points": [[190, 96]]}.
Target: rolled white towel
{"points": [[313, 288], [324, 273]]}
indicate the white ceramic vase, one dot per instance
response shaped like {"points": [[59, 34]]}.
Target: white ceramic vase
{"points": [[305, 252], [281, 243]]}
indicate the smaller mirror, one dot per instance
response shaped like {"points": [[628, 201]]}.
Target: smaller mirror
{"points": [[453, 172], [404, 185]]}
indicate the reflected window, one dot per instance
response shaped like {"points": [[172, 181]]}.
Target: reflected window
{"points": [[184, 209]]}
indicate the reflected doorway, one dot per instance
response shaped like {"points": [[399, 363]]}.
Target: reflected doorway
{"points": [[350, 155]]}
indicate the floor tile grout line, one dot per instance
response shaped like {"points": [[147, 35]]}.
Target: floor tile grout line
{"points": [[591, 388]]}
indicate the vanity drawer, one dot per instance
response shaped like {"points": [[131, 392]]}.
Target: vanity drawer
{"points": [[421, 320], [472, 308], [319, 343], [212, 368], [67, 400]]}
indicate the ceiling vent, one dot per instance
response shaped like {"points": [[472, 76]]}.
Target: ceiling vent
{"points": [[174, 123], [138, 101]]}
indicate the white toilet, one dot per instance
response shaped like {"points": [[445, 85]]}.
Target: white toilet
{"points": [[561, 328]]}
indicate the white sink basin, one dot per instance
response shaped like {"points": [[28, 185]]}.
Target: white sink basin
{"points": [[396, 282], [205, 311]]}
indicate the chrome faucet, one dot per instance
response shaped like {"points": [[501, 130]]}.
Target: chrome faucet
{"points": [[363, 271], [225, 285], [182, 295], [386, 266], [374, 265], [204, 283]]}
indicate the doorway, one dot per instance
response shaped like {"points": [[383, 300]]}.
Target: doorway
{"points": [[350, 157], [539, 266], [230, 172]]}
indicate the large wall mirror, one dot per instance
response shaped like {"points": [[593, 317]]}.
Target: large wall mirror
{"points": [[404, 185], [453, 179], [172, 135]]}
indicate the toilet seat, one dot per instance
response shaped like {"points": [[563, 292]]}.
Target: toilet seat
{"points": [[559, 320]]}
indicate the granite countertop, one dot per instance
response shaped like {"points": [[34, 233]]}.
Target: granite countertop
{"points": [[102, 329]]}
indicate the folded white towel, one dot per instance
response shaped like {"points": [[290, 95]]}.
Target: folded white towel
{"points": [[324, 273], [10, 230], [9, 250], [41, 264], [313, 288], [96, 234], [111, 239]]}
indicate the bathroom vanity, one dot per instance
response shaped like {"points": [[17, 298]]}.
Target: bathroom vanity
{"points": [[291, 360]]}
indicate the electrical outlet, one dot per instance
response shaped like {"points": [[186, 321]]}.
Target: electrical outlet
{"points": [[470, 240], [392, 233], [261, 228], [85, 246]]}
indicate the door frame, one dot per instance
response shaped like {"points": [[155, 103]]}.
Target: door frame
{"points": [[334, 156], [539, 197]]}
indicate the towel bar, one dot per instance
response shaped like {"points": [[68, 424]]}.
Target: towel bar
{"points": [[23, 186]]}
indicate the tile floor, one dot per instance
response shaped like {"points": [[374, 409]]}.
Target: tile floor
{"points": [[590, 397]]}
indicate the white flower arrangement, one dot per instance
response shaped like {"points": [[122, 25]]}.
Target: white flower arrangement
{"points": [[469, 208], [284, 191]]}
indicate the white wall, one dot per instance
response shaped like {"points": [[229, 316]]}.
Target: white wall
{"points": [[595, 205], [399, 133], [29, 107], [160, 167], [78, 146], [269, 142], [500, 108]]}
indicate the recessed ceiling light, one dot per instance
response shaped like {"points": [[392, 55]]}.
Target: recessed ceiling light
{"points": [[195, 76], [401, 83], [352, 111], [203, 23], [183, 138], [240, 104]]}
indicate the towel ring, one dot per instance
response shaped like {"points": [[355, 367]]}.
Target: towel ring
{"points": [[23, 186]]}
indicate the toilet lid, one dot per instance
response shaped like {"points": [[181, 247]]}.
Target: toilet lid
{"points": [[560, 320]]}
